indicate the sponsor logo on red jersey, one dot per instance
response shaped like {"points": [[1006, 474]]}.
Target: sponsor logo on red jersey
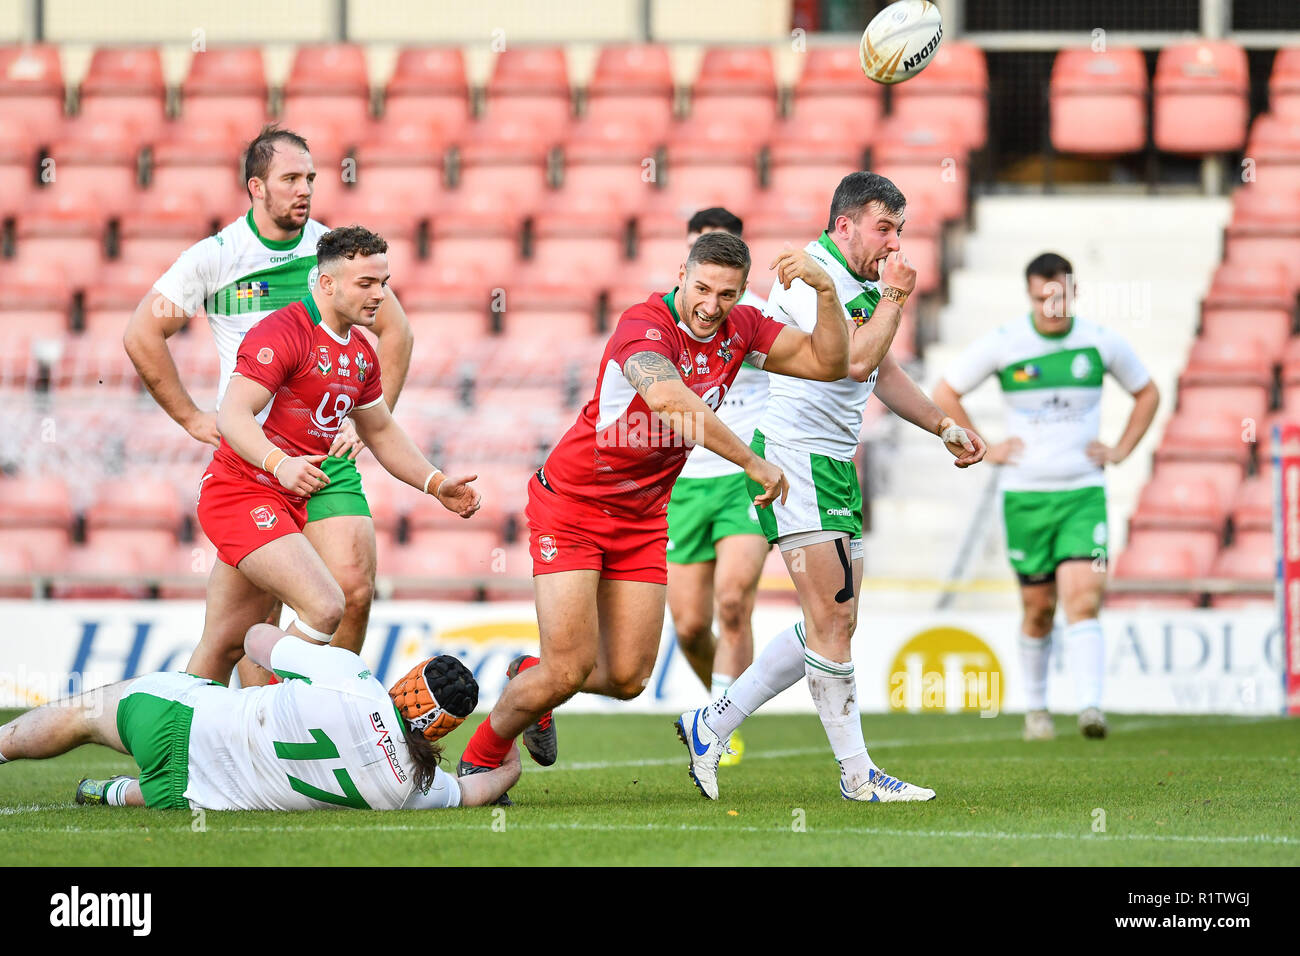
{"points": [[546, 547], [264, 518]]}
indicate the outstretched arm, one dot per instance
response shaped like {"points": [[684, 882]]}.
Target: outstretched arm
{"points": [[657, 381], [906, 400], [403, 460], [479, 789], [823, 354]]}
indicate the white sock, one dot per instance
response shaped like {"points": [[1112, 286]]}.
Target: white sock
{"points": [[3, 759], [1034, 653], [778, 667], [835, 694], [1086, 650], [115, 793], [720, 684]]}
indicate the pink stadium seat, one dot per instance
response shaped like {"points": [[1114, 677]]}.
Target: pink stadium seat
{"points": [[955, 87], [421, 567], [404, 158], [1204, 437], [737, 85], [1284, 84], [1264, 329], [15, 564], [46, 548], [611, 159], [809, 156], [17, 165], [154, 548], [329, 80], [161, 224], [98, 157], [64, 226], [924, 159], [93, 359], [107, 565], [1099, 101], [124, 85], [1291, 363], [531, 83], [31, 88], [395, 216], [633, 83], [226, 86], [1274, 145], [428, 86], [1252, 508], [831, 87], [541, 305], [435, 284], [1243, 401], [507, 159], [709, 161], [35, 303], [190, 564], [1240, 360], [1173, 502], [1265, 227], [135, 502], [1163, 556], [1224, 476], [477, 229], [201, 159], [35, 502], [1250, 558], [577, 230], [1250, 300], [1201, 103]]}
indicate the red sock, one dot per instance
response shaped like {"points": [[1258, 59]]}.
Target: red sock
{"points": [[487, 748], [527, 663]]}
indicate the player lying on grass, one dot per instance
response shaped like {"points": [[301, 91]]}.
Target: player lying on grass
{"points": [[329, 735], [304, 370]]}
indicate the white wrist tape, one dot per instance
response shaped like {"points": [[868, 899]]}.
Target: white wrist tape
{"points": [[954, 435], [435, 471], [275, 472]]}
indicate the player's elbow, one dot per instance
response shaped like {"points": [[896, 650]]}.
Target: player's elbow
{"points": [[860, 371]]}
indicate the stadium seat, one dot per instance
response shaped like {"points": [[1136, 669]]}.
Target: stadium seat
{"points": [[45, 548], [1265, 227], [31, 89], [476, 229], [1163, 556], [93, 359], [632, 83], [124, 85], [189, 566], [1099, 101], [428, 572], [95, 574], [576, 231], [1243, 401], [710, 163], [831, 88], [1274, 147], [35, 502], [405, 158], [954, 87], [1239, 360], [17, 165], [35, 303], [394, 215], [1291, 363], [1252, 507], [1224, 476], [1251, 557], [136, 502], [1204, 437], [611, 159], [924, 159], [159, 225], [226, 87], [64, 226], [99, 158], [809, 156], [1284, 83], [1257, 329], [428, 86], [327, 83], [536, 313], [507, 159], [200, 159], [1174, 502], [15, 565], [531, 84], [1201, 97], [1252, 299], [737, 85]]}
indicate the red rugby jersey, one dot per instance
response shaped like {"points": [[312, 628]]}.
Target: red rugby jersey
{"points": [[316, 379], [618, 454]]}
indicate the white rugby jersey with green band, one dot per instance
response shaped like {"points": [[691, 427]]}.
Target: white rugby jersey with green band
{"points": [[239, 277], [1051, 385]]}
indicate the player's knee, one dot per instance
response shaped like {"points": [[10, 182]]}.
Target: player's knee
{"points": [[1082, 607], [733, 609], [563, 678], [326, 611], [358, 590], [693, 633], [1039, 616], [629, 685]]}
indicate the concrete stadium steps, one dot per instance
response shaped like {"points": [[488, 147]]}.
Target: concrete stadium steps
{"points": [[1161, 250]]}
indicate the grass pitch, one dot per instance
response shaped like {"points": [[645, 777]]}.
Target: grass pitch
{"points": [[1161, 791]]}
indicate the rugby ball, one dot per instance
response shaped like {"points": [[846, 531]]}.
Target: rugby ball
{"points": [[900, 41]]}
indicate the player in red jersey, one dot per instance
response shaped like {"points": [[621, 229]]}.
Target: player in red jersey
{"points": [[307, 365], [597, 509]]}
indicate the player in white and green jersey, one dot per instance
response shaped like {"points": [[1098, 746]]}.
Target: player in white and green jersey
{"points": [[1050, 365], [716, 548], [330, 735], [261, 262], [810, 430]]}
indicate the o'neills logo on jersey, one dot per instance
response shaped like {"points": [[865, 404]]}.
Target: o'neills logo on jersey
{"points": [[546, 547], [323, 363], [263, 517]]}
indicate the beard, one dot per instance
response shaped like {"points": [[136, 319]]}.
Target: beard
{"points": [[288, 221]]}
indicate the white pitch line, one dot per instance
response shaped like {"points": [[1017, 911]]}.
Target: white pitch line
{"points": [[1088, 838]]}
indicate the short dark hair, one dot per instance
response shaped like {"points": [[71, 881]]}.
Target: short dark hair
{"points": [[857, 190], [715, 217], [348, 242], [720, 249], [261, 151], [1049, 265]]}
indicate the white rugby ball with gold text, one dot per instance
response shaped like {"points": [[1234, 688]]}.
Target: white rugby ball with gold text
{"points": [[900, 41]]}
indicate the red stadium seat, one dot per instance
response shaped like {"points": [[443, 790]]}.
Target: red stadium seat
{"points": [[161, 224], [428, 85], [17, 165], [1099, 101], [136, 502], [191, 564], [16, 565], [225, 87], [403, 158], [421, 567], [925, 161], [45, 548], [1163, 556], [1249, 300], [1291, 362], [955, 87], [99, 157], [1284, 84], [542, 306], [1243, 401], [1174, 502], [1266, 330], [124, 85], [505, 159], [103, 573], [1201, 97], [395, 216], [532, 84], [574, 230], [611, 159], [1252, 508], [476, 229], [31, 502], [31, 89], [633, 83], [1274, 146], [1251, 557], [35, 302], [737, 85], [1224, 476], [709, 164], [809, 156], [1204, 437], [1265, 227], [327, 82], [65, 226], [832, 87], [1240, 360], [200, 159]]}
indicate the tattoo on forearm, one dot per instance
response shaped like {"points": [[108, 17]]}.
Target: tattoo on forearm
{"points": [[646, 368]]}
